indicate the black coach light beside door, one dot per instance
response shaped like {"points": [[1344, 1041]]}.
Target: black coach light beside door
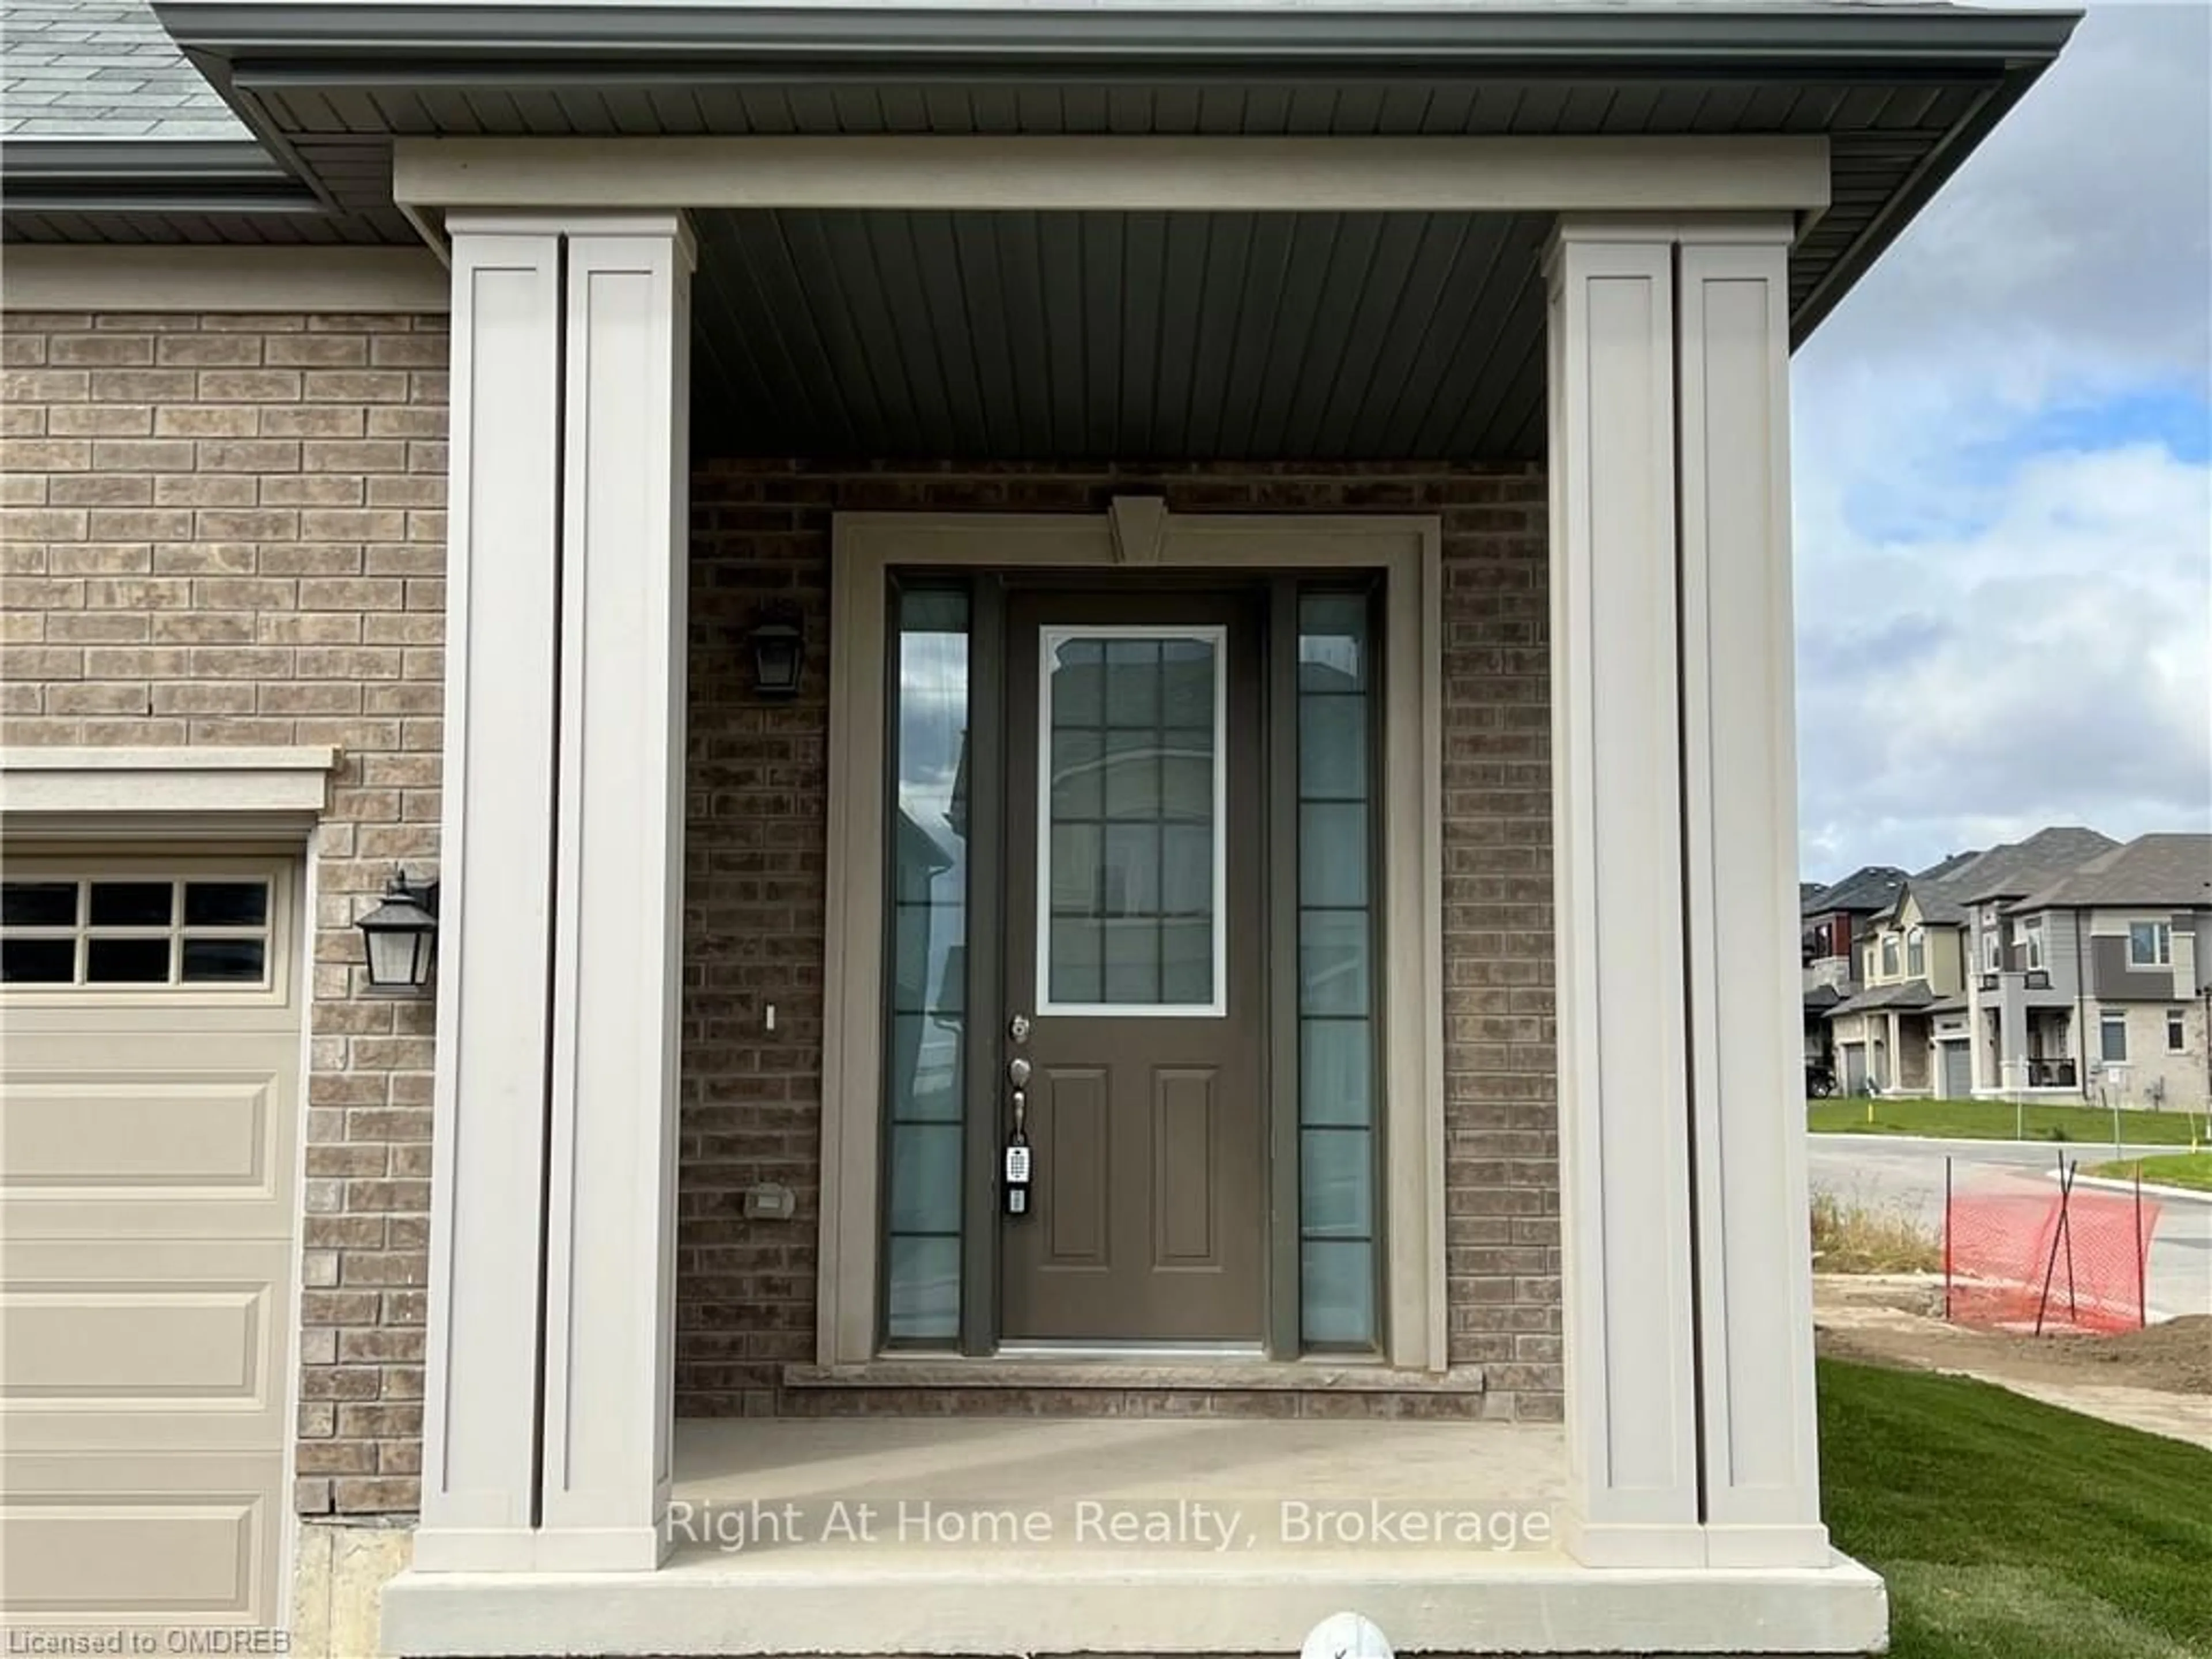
{"points": [[402, 935], [779, 648]]}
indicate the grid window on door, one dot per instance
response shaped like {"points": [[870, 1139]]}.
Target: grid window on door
{"points": [[134, 932], [1132, 820]]}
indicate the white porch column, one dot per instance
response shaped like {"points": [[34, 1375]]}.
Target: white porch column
{"points": [[1623, 1109], [1739, 816], [1686, 1277], [550, 1342], [479, 1453], [610, 1233]]}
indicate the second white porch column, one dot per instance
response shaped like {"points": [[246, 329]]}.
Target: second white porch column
{"points": [[1739, 817], [610, 1231], [1687, 1279], [1616, 780]]}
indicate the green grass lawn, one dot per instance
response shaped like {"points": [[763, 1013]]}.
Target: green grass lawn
{"points": [[2189, 1169], [1995, 1120], [2009, 1529]]}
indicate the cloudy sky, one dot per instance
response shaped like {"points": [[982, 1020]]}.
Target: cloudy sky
{"points": [[2004, 492]]}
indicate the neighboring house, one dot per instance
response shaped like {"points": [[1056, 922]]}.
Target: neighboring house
{"points": [[1831, 920], [1909, 978], [1907, 1028], [1208, 584], [2097, 981]]}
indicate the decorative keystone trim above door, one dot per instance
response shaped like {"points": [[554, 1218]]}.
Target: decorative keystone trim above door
{"points": [[1136, 532]]}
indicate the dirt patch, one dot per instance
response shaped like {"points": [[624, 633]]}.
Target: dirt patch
{"points": [[1898, 1321]]}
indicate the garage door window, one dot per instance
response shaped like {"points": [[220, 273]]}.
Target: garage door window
{"points": [[138, 931]]}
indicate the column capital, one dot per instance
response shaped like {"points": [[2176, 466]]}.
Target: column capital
{"points": [[1686, 229], [671, 224]]}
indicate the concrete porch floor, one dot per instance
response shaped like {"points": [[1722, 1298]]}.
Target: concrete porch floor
{"points": [[1104, 1535]]}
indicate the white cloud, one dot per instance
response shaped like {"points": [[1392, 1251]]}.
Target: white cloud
{"points": [[2005, 616]]}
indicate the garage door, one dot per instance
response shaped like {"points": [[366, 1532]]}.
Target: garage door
{"points": [[148, 1119], [1958, 1070]]}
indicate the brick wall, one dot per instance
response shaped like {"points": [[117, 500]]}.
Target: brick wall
{"points": [[754, 910], [229, 530]]}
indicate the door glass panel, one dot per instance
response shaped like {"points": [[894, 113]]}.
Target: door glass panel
{"points": [[1332, 854], [922, 1302], [928, 840], [1337, 1292], [1333, 948], [1336, 1068], [1132, 779], [1335, 1195]]}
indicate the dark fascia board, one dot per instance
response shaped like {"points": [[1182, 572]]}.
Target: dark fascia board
{"points": [[1935, 170], [497, 34], [128, 175]]}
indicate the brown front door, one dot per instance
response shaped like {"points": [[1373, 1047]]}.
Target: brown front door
{"points": [[1133, 909]]}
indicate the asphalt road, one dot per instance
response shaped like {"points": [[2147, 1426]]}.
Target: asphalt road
{"points": [[1899, 1172]]}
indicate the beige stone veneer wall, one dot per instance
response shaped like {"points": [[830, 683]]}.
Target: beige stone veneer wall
{"points": [[229, 530]]}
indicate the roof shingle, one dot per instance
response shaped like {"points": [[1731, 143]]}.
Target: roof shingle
{"points": [[2168, 869], [102, 68]]}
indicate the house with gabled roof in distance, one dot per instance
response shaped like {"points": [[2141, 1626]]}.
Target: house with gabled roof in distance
{"points": [[1830, 917], [1906, 1028], [2096, 979]]}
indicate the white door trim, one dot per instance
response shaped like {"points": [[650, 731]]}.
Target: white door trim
{"points": [[867, 547]]}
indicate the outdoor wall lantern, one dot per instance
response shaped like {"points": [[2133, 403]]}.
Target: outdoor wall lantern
{"points": [[779, 653], [402, 935]]}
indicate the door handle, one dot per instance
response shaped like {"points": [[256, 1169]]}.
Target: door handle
{"points": [[1018, 1071]]}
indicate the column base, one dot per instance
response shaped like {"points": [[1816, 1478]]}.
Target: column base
{"points": [[527, 1549], [1613, 1544], [1630, 1544], [602, 1549], [475, 1549], [1798, 1546]]}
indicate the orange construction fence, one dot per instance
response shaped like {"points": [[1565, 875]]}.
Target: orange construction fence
{"points": [[2046, 1256]]}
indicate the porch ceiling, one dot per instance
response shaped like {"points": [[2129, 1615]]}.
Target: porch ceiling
{"points": [[1063, 335]]}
